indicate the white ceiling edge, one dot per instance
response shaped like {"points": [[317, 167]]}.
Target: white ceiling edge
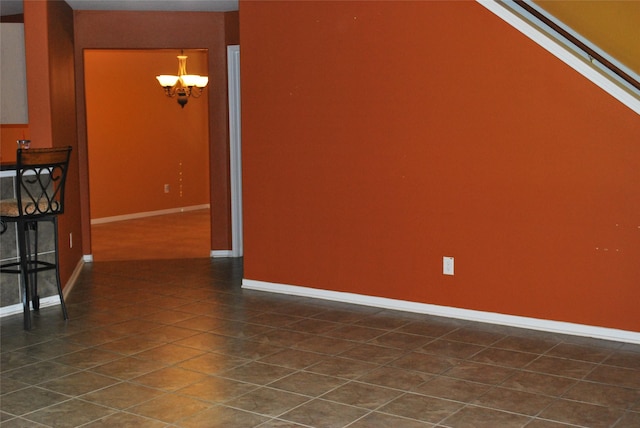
{"points": [[14, 7]]}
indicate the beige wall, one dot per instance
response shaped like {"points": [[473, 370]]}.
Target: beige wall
{"points": [[612, 25]]}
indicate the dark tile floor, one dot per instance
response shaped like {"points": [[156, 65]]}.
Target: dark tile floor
{"points": [[178, 343]]}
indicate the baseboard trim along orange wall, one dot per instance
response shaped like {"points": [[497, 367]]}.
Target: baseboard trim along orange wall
{"points": [[448, 312]]}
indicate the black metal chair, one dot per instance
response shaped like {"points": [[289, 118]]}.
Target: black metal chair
{"points": [[40, 180]]}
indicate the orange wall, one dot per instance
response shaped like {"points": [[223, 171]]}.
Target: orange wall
{"points": [[52, 109], [9, 134], [379, 137], [139, 140]]}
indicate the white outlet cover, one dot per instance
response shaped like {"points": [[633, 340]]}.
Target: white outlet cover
{"points": [[447, 265]]}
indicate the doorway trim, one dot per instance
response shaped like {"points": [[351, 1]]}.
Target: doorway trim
{"points": [[235, 139]]}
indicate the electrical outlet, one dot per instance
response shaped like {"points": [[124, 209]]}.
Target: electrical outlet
{"points": [[447, 265], [166, 188]]}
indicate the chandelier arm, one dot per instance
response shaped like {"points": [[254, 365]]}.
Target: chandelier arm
{"points": [[196, 92], [185, 85]]}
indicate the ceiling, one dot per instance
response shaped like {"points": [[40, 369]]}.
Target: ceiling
{"points": [[13, 7]]}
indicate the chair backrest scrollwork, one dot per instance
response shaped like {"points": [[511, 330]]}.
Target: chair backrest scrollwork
{"points": [[41, 176]]}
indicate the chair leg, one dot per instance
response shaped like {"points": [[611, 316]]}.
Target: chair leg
{"points": [[32, 253], [57, 261], [24, 273]]}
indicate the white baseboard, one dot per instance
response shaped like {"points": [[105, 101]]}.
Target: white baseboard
{"points": [[449, 312], [88, 258], [221, 253], [17, 308], [73, 278], [133, 216], [50, 300]]}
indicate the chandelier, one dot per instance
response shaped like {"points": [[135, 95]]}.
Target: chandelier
{"points": [[183, 85]]}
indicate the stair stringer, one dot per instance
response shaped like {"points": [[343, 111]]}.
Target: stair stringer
{"points": [[581, 65]]}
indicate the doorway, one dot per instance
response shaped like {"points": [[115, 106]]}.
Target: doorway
{"points": [[148, 157]]}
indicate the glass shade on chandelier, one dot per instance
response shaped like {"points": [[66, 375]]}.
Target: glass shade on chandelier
{"points": [[183, 85]]}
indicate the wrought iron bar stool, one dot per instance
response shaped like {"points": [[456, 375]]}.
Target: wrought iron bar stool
{"points": [[40, 180]]}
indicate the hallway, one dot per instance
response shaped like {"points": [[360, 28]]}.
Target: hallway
{"points": [[171, 236]]}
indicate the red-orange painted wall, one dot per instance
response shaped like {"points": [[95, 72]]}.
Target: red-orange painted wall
{"points": [[9, 134], [52, 109], [139, 139], [379, 137]]}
